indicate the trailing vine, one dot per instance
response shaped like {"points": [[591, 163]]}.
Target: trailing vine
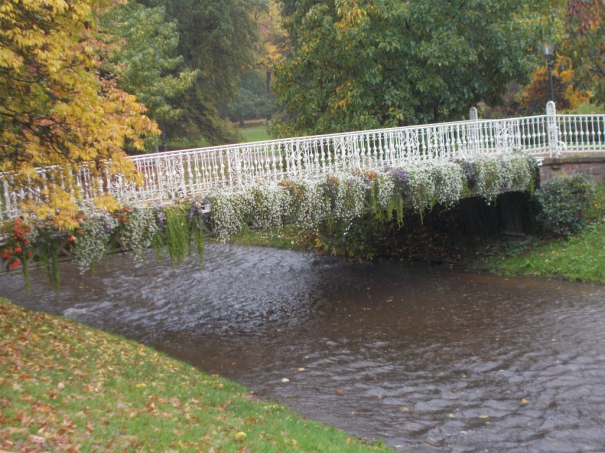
{"points": [[177, 234], [196, 224]]}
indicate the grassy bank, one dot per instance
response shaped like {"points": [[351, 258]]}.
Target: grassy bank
{"points": [[68, 387], [582, 257]]}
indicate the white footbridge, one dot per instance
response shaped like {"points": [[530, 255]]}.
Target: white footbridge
{"points": [[177, 176]]}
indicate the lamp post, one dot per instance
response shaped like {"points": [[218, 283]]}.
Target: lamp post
{"points": [[549, 54]]}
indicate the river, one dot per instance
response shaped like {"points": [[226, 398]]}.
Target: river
{"points": [[428, 358]]}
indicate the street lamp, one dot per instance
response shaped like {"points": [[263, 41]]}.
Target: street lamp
{"points": [[549, 54]]}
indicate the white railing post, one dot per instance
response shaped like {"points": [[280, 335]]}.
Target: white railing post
{"points": [[474, 117], [553, 130]]}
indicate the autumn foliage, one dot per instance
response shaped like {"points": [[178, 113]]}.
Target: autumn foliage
{"points": [[56, 111], [586, 45], [533, 98]]}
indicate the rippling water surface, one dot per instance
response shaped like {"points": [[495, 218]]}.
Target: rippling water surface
{"points": [[426, 358]]}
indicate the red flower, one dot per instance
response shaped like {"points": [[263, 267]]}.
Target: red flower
{"points": [[71, 239], [18, 249], [14, 264]]}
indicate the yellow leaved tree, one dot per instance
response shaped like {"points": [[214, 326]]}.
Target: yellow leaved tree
{"points": [[57, 114]]}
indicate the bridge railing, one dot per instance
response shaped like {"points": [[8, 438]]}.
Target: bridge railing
{"points": [[183, 174]]}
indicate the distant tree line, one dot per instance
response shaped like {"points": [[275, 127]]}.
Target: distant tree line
{"points": [[86, 80]]}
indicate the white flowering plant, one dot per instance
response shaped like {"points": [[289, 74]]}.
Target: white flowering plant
{"points": [[92, 239]]}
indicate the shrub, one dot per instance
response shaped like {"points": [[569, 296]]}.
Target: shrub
{"points": [[564, 202]]}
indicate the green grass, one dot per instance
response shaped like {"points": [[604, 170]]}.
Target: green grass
{"points": [[186, 143], [585, 109], [69, 387], [579, 258], [288, 237], [582, 257], [255, 134]]}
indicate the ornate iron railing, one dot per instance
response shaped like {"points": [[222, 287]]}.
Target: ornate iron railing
{"points": [[177, 175]]}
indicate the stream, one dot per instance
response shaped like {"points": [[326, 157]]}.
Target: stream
{"points": [[427, 358]]}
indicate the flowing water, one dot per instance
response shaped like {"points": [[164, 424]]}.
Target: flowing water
{"points": [[429, 359]]}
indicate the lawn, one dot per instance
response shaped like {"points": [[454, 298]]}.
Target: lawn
{"points": [[581, 257], [68, 387], [254, 133]]}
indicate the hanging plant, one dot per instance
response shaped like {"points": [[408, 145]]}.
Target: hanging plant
{"points": [[449, 182], [17, 247], [383, 189], [350, 194], [177, 234], [48, 241], [138, 228], [422, 189], [160, 222], [521, 170], [270, 206], [314, 201], [91, 240], [196, 220], [229, 212], [488, 177]]}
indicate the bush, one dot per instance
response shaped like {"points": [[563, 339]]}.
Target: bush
{"points": [[564, 202]]}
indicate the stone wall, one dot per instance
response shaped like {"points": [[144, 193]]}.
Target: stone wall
{"points": [[592, 166]]}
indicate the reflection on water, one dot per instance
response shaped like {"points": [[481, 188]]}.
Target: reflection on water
{"points": [[426, 358]]}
